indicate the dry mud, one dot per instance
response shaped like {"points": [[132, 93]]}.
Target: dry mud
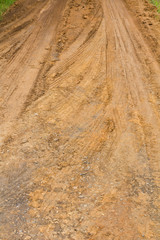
{"points": [[148, 23], [79, 123]]}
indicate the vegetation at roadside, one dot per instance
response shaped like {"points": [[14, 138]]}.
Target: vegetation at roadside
{"points": [[4, 5], [156, 3]]}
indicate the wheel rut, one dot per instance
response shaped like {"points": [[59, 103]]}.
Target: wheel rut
{"points": [[80, 126]]}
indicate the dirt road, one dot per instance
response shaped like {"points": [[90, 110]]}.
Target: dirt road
{"points": [[80, 124]]}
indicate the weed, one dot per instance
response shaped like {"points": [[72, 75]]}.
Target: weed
{"points": [[156, 3], [4, 5]]}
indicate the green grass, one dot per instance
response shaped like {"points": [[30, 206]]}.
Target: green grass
{"points": [[4, 5], [156, 3]]}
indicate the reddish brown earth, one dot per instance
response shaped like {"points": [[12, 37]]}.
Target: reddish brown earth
{"points": [[80, 121], [148, 22]]}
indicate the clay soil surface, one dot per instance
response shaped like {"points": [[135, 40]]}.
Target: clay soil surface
{"points": [[80, 121]]}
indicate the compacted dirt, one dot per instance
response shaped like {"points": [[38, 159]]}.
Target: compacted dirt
{"points": [[148, 22], [79, 122]]}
